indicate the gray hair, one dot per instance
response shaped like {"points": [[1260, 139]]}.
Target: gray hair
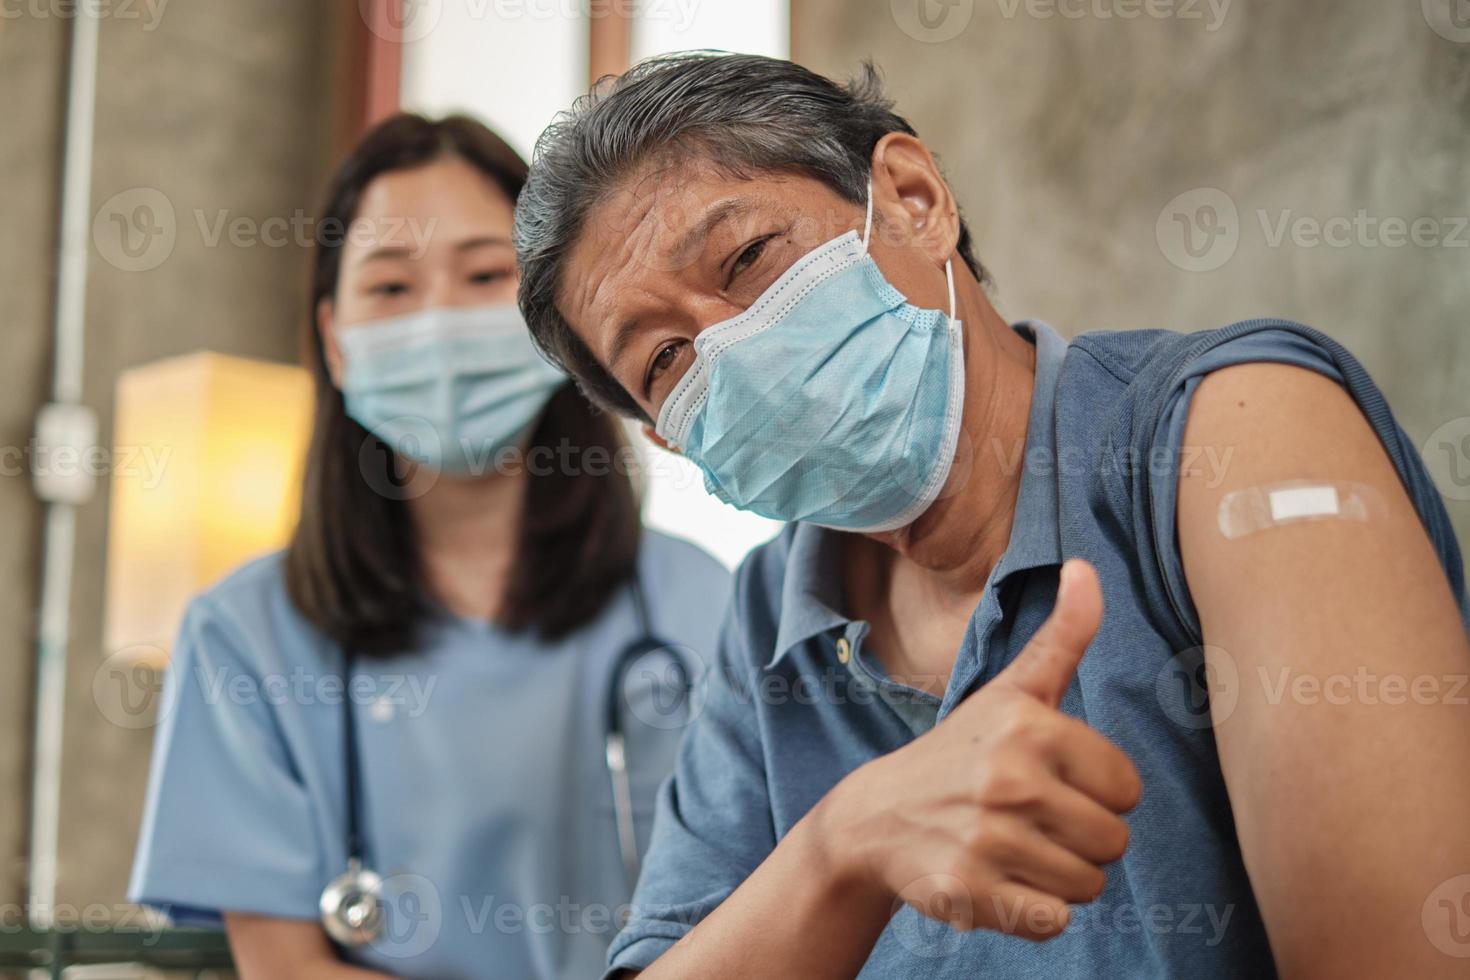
{"points": [[742, 113]]}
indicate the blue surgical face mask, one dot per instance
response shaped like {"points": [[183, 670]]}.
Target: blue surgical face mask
{"points": [[448, 387], [831, 400]]}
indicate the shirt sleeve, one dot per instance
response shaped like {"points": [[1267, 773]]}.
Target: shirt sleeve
{"points": [[1170, 456], [708, 834], [227, 825]]}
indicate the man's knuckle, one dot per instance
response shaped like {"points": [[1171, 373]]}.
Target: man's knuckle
{"points": [[1007, 783], [1018, 723], [1041, 731], [960, 867], [996, 783], [994, 842]]}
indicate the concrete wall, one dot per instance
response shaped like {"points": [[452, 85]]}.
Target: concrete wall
{"points": [[206, 110], [1070, 131]]}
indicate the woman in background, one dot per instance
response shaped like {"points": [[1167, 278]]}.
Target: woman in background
{"points": [[470, 560]]}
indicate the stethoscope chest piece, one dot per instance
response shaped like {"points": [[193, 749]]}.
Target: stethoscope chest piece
{"points": [[352, 906]]}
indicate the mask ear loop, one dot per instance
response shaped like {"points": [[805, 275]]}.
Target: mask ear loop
{"points": [[949, 278], [868, 221]]}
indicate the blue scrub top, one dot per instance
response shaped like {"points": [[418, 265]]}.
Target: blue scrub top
{"points": [[797, 699], [486, 801]]}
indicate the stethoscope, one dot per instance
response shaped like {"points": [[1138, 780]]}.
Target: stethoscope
{"points": [[352, 903]]}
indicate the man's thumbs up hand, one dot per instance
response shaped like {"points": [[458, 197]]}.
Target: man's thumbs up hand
{"points": [[1006, 811]]}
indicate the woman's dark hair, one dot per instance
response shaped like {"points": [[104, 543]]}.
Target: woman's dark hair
{"points": [[353, 567]]}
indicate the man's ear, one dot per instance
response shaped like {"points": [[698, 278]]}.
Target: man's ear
{"points": [[652, 436], [326, 327], [912, 203]]}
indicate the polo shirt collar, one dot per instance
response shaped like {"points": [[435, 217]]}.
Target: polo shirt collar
{"points": [[1036, 526], [811, 594]]}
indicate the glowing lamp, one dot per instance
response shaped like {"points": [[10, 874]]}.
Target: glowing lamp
{"points": [[206, 474]]}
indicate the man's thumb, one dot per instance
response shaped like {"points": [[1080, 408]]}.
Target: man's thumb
{"points": [[1045, 667]]}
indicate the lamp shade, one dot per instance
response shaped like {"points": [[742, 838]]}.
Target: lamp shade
{"points": [[206, 473]]}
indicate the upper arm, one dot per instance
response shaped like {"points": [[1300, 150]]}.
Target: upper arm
{"points": [[1344, 741]]}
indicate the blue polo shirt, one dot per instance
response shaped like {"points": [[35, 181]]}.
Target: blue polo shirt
{"points": [[796, 700]]}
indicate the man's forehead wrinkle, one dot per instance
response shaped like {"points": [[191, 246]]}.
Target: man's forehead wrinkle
{"points": [[610, 278], [603, 251], [663, 219], [650, 223], [623, 289]]}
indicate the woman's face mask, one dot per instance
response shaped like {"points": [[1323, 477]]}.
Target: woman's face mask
{"points": [[422, 334], [447, 387], [831, 399]]}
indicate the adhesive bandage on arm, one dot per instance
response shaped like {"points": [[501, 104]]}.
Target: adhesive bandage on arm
{"points": [[1255, 509]]}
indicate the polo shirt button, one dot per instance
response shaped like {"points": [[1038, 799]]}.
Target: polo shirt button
{"points": [[844, 650]]}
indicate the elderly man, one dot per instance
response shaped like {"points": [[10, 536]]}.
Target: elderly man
{"points": [[904, 764]]}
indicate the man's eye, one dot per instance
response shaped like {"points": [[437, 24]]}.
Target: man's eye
{"points": [[488, 276], [663, 360], [748, 257]]}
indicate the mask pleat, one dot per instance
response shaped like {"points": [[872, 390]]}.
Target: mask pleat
{"points": [[472, 376], [834, 410]]}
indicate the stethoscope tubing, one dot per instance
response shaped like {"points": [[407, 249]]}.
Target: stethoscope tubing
{"points": [[350, 903]]}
